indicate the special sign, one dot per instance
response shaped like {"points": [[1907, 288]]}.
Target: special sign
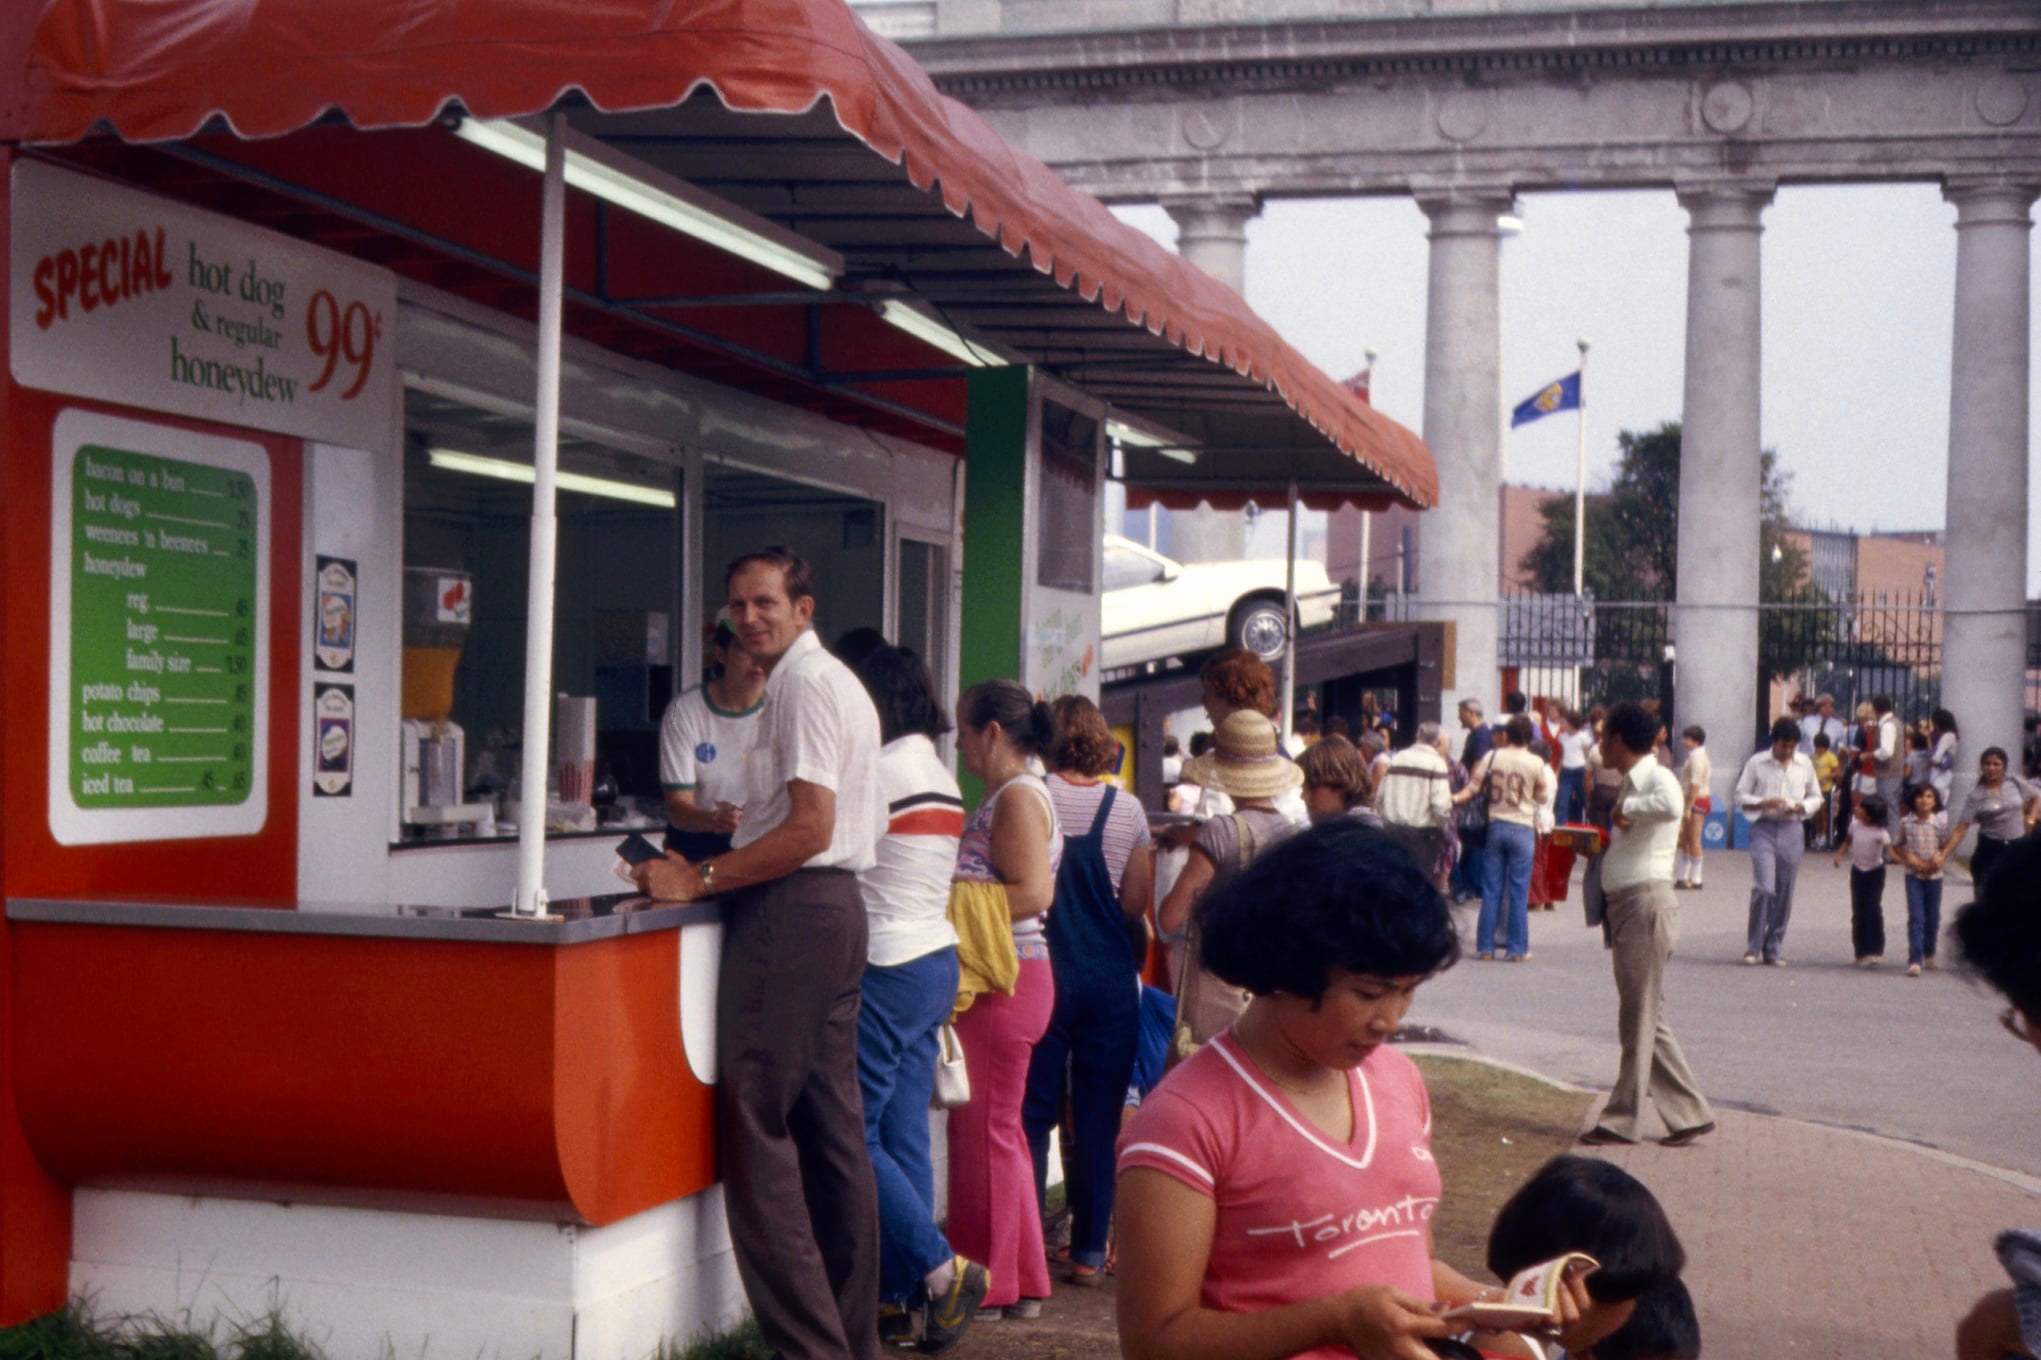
{"points": [[135, 299], [158, 632]]}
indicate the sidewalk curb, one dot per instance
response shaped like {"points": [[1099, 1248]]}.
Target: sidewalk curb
{"points": [[2017, 1179]]}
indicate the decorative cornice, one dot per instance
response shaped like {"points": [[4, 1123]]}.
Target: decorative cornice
{"points": [[1281, 55]]}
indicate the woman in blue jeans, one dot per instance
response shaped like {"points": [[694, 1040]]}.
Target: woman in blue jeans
{"points": [[1087, 1054], [910, 986], [1516, 784]]}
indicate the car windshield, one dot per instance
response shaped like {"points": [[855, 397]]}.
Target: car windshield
{"points": [[1125, 567]]}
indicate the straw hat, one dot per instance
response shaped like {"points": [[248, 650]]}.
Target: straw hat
{"points": [[1244, 761]]}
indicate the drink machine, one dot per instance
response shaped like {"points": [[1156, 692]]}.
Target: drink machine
{"points": [[438, 610]]}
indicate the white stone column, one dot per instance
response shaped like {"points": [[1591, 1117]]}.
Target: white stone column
{"points": [[1211, 233], [1463, 427], [1715, 618], [1984, 630]]}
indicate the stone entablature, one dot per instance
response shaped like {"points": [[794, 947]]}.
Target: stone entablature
{"points": [[1596, 97]]}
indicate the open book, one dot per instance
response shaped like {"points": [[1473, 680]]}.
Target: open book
{"points": [[1531, 1302]]}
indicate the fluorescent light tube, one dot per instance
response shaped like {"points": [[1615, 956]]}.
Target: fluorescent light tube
{"points": [[453, 460], [1127, 434], [930, 331], [679, 206], [1164, 445]]}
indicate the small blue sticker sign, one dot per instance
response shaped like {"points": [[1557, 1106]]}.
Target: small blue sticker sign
{"points": [[705, 753]]}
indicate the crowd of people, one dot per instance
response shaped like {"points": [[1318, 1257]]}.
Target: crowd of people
{"points": [[1038, 958]]}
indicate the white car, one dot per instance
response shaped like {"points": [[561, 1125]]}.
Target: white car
{"points": [[1155, 607]]}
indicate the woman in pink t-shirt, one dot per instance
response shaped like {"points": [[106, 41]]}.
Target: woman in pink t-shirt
{"points": [[1276, 1191]]}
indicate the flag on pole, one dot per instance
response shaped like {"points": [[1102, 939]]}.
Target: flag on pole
{"points": [[1563, 395]]}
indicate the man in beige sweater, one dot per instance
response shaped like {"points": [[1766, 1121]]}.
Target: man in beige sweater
{"points": [[1643, 920]]}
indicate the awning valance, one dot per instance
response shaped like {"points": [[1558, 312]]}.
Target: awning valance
{"points": [[167, 70]]}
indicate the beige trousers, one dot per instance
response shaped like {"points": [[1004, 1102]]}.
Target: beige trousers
{"points": [[1643, 927]]}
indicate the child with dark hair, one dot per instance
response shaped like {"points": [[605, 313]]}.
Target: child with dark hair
{"points": [[1918, 758], [1923, 833], [1664, 1327], [1869, 845], [2000, 937], [1297, 1114], [1589, 1205]]}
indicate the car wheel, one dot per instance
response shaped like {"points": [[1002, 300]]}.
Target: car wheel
{"points": [[1261, 626]]}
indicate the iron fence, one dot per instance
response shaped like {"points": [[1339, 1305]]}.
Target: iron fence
{"points": [[1589, 653]]}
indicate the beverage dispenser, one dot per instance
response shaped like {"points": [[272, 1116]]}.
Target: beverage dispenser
{"points": [[438, 611]]}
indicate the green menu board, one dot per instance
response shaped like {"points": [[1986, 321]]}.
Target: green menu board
{"points": [[163, 624]]}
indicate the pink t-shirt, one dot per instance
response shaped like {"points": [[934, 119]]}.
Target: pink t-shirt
{"points": [[1299, 1217]]}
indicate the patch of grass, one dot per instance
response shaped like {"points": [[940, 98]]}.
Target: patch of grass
{"points": [[1491, 1128], [79, 1333], [268, 1339], [742, 1342], [56, 1336]]}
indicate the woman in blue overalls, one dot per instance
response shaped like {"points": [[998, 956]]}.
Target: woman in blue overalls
{"points": [[1107, 876]]}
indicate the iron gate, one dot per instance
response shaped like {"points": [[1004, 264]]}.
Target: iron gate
{"points": [[1595, 653]]}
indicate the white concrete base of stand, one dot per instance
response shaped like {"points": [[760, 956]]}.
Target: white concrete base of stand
{"points": [[373, 1283]]}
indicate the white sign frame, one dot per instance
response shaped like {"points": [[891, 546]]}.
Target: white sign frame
{"points": [[232, 307], [71, 824]]}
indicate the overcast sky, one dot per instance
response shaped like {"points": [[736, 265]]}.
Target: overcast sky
{"points": [[1858, 309]]}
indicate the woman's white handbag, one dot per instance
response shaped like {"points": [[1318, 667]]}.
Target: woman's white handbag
{"points": [[952, 1079]]}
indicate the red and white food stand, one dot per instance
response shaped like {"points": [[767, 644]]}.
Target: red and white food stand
{"points": [[261, 1042]]}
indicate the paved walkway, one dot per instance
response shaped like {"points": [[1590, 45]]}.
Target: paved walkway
{"points": [[1920, 1059], [1808, 1236], [1810, 1241]]}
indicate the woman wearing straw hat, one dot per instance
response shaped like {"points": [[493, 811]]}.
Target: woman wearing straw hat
{"points": [[1245, 765]]}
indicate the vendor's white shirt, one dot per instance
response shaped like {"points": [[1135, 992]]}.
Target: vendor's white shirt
{"points": [[705, 749], [818, 726]]}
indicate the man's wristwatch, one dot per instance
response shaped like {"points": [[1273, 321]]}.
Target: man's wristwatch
{"points": [[706, 871]]}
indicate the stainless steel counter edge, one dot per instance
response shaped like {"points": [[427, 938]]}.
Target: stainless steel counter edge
{"points": [[377, 922]]}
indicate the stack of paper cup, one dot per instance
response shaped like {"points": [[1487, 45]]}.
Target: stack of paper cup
{"points": [[574, 745]]}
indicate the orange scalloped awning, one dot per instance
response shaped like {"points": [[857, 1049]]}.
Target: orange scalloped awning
{"points": [[161, 70]]}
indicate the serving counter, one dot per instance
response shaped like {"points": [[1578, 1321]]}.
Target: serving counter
{"points": [[396, 1086]]}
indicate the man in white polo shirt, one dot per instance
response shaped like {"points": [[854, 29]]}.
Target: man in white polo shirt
{"points": [[1643, 921], [1777, 792], [789, 1115]]}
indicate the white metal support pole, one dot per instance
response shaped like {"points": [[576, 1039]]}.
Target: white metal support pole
{"points": [[1367, 558], [1368, 516], [538, 619], [1291, 619], [1580, 483]]}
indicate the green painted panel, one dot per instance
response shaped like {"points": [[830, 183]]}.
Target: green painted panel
{"points": [[995, 504]]}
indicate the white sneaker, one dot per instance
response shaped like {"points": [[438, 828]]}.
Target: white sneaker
{"points": [[1750, 959]]}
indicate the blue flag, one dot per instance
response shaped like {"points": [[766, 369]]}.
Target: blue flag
{"points": [[1563, 395]]}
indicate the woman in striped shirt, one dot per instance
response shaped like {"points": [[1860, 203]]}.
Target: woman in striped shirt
{"points": [[909, 986]]}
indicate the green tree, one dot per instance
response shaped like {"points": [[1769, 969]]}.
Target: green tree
{"points": [[1632, 549]]}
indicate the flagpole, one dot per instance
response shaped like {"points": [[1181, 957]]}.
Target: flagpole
{"points": [[1580, 483], [1580, 507]]}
